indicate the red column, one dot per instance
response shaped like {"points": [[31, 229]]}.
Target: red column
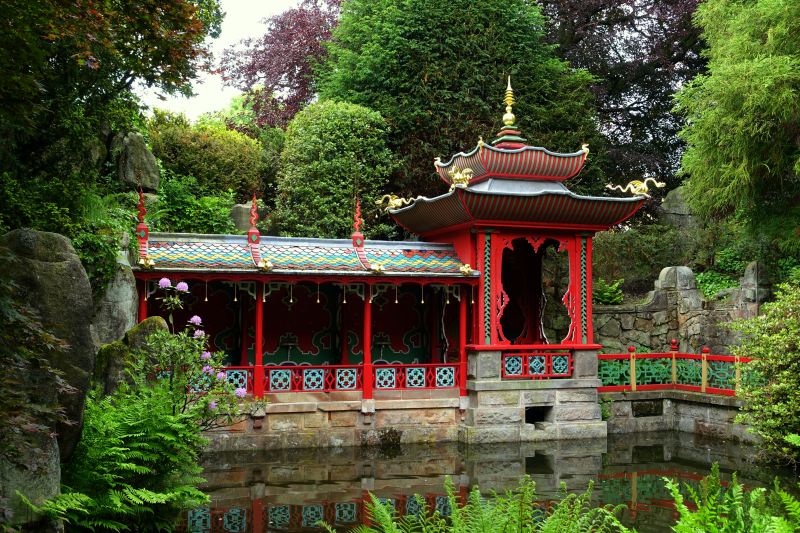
{"points": [[433, 325], [344, 349], [366, 341], [142, 300], [589, 327], [257, 511], [244, 360], [258, 371], [462, 343]]}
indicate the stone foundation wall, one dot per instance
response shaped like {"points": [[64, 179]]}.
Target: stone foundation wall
{"points": [[531, 410], [676, 309], [689, 412], [340, 419]]}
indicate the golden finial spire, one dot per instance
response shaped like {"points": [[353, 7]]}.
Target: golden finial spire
{"points": [[509, 118]]}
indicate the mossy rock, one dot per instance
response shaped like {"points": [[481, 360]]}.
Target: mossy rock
{"points": [[114, 359]]}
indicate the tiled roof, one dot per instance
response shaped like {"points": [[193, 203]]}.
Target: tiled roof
{"points": [[181, 252]]}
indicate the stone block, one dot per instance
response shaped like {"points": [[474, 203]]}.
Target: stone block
{"points": [[585, 364], [285, 422], [567, 396], [343, 418], [539, 432], [611, 328], [487, 365], [621, 409], [538, 397], [626, 320], [487, 434], [582, 430], [315, 420], [354, 405], [494, 416], [442, 393], [389, 418], [338, 438], [300, 407], [379, 395], [301, 439], [503, 398], [586, 411], [416, 394], [344, 396]]}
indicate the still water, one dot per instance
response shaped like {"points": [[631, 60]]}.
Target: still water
{"points": [[290, 490]]}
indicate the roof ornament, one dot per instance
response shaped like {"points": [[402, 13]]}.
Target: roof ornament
{"points": [[254, 237], [585, 148], [509, 118], [459, 178], [393, 201], [143, 233], [636, 187], [358, 238], [466, 270]]}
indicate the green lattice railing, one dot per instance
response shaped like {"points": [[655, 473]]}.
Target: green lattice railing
{"points": [[715, 374]]}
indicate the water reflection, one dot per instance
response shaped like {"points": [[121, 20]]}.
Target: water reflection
{"points": [[290, 490]]}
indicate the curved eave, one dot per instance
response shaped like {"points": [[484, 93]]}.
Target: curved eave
{"points": [[552, 209], [527, 162]]}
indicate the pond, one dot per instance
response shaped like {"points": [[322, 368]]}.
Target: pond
{"points": [[289, 490]]}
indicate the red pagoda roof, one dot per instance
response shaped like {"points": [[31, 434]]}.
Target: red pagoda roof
{"points": [[540, 204]]}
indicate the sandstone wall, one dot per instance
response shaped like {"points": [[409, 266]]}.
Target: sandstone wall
{"points": [[676, 309]]}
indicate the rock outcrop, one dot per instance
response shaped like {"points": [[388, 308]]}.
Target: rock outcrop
{"points": [[114, 358], [115, 310], [48, 275], [136, 165]]}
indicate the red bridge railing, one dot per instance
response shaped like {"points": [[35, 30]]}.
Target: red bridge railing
{"points": [[673, 370]]}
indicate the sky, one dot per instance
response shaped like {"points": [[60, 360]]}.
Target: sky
{"points": [[243, 19]]}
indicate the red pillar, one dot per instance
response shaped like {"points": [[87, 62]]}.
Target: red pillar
{"points": [[257, 510], [344, 349], [433, 324], [462, 344], [244, 360], [366, 341], [258, 347], [142, 300]]}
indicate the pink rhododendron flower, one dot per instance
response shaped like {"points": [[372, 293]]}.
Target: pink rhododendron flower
{"points": [[240, 392], [164, 283], [182, 286], [205, 356], [198, 333], [208, 369], [195, 320], [212, 405], [220, 375]]}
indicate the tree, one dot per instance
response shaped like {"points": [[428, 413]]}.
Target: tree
{"points": [[220, 159], [742, 120], [275, 71], [334, 152], [437, 72], [772, 406], [641, 52]]}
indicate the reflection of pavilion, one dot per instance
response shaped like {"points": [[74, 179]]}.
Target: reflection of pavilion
{"points": [[450, 323]]}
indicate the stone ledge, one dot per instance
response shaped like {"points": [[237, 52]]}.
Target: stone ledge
{"points": [[675, 395], [522, 384], [417, 404], [297, 407], [340, 406]]}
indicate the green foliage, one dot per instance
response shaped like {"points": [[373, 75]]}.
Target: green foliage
{"points": [[513, 511], [711, 282], [772, 405], [184, 207], [639, 253], [135, 467], [221, 159], [437, 72], [25, 413], [605, 293], [334, 152], [730, 510], [741, 117]]}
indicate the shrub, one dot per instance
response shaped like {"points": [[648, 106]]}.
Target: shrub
{"points": [[220, 159], [184, 207], [731, 509], [334, 152], [605, 293], [711, 282], [135, 467], [772, 405]]}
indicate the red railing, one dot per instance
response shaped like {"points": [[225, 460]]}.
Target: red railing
{"points": [[415, 376], [536, 365], [673, 370], [240, 376], [324, 378]]}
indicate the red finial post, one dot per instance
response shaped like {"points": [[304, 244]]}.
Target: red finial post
{"points": [[358, 237], [253, 235], [142, 232]]}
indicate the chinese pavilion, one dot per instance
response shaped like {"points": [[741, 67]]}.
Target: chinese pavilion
{"points": [[447, 330]]}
